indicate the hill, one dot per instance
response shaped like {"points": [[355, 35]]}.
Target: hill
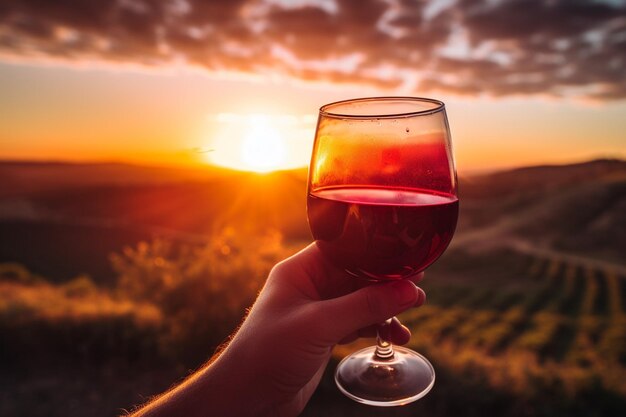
{"points": [[23, 178], [541, 178], [578, 208], [62, 220], [525, 312]]}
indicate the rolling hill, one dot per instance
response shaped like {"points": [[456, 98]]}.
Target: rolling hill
{"points": [[64, 219], [525, 312]]}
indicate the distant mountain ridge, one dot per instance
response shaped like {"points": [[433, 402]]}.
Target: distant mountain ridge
{"points": [[19, 178], [541, 177], [63, 219]]}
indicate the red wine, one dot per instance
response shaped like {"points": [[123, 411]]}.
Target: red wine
{"points": [[382, 233]]}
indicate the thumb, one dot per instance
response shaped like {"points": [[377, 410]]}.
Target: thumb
{"points": [[366, 306]]}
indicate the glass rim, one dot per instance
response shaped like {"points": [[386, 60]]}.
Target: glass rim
{"points": [[440, 106]]}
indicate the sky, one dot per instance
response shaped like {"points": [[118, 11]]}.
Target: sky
{"points": [[239, 82]]}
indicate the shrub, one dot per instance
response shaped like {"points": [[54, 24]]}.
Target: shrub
{"points": [[201, 290]]}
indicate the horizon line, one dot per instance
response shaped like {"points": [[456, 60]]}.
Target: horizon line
{"points": [[211, 166]]}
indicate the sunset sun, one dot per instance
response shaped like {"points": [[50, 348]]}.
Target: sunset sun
{"points": [[261, 142], [263, 149]]}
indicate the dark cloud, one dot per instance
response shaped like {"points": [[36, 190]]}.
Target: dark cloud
{"points": [[305, 31], [527, 18], [495, 47], [559, 47]]}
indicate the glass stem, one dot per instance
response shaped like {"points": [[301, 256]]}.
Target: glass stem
{"points": [[384, 348]]}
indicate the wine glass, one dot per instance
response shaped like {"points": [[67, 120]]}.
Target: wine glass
{"points": [[382, 205]]}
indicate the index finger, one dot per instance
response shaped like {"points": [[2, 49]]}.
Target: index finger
{"points": [[329, 280]]}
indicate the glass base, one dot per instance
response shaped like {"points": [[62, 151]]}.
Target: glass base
{"points": [[399, 380]]}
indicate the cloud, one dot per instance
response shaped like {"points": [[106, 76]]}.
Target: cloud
{"points": [[543, 47], [564, 48]]}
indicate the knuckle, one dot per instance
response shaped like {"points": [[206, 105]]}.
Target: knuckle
{"points": [[279, 272], [278, 268]]}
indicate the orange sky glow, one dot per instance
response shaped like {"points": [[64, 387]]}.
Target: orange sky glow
{"points": [[238, 84]]}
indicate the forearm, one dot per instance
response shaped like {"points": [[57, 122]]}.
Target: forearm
{"points": [[223, 388]]}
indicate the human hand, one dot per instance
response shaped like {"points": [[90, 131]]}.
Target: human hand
{"points": [[274, 362], [307, 307]]}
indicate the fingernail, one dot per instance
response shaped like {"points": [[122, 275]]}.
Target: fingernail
{"points": [[407, 292]]}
